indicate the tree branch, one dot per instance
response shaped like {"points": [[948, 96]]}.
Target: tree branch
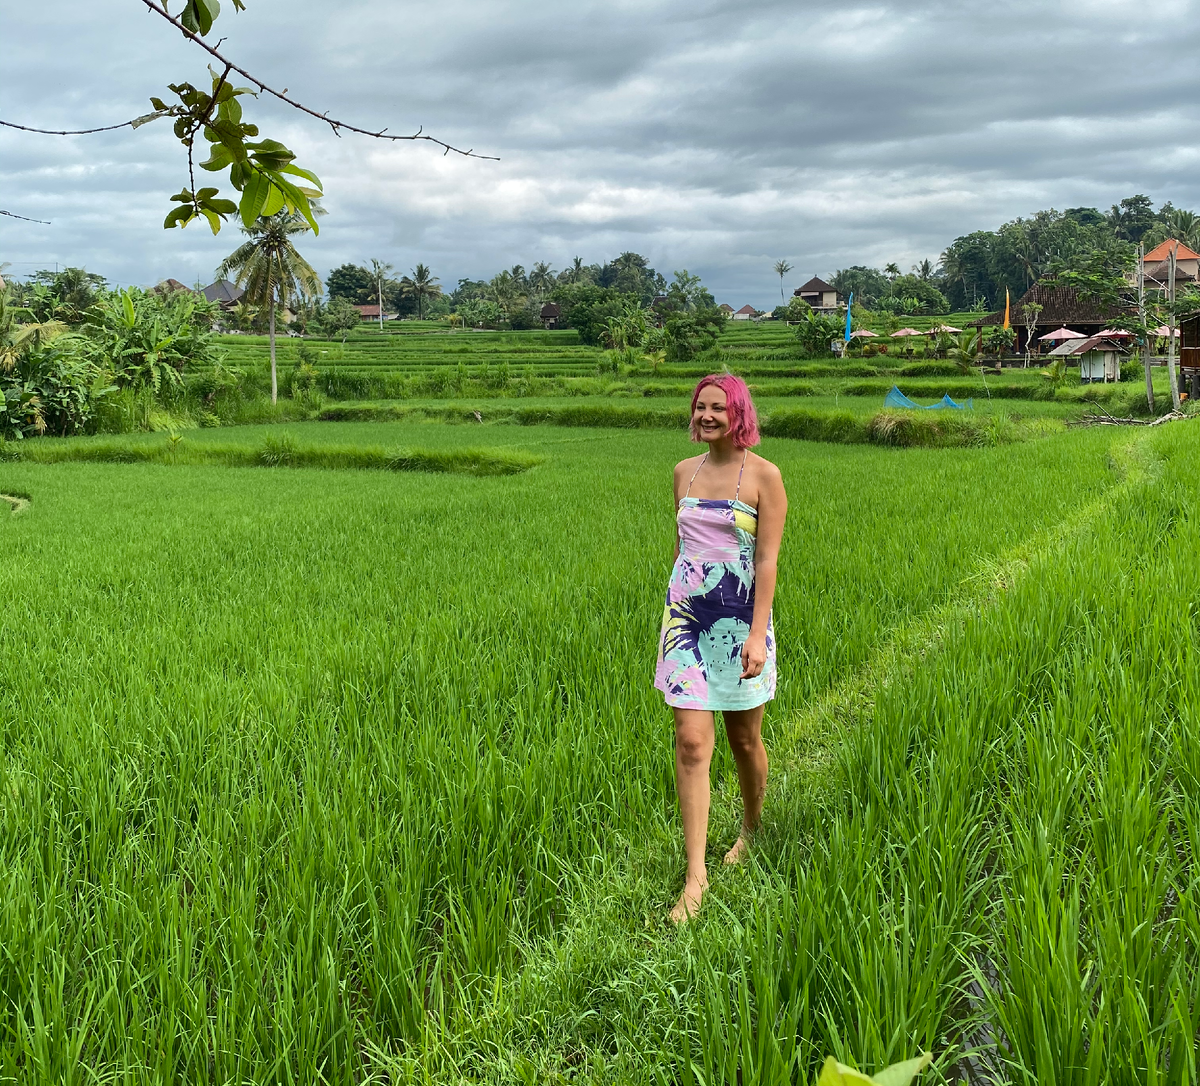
{"points": [[26, 218], [82, 131], [336, 125]]}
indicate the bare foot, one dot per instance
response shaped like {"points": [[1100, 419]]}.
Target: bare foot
{"points": [[740, 850], [688, 904]]}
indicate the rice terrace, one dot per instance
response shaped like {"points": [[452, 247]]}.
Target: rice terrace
{"points": [[329, 607]]}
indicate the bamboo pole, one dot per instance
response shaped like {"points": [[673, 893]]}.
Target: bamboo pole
{"points": [[1175, 402], [1146, 338]]}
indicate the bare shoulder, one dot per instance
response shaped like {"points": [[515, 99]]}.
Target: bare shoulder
{"points": [[764, 470], [690, 464]]}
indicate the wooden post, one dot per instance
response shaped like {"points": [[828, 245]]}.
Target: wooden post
{"points": [[1175, 401], [1146, 338]]}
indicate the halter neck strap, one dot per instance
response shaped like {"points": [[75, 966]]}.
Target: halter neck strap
{"points": [[695, 473], [703, 460]]}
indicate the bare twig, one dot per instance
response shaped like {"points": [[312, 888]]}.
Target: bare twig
{"points": [[81, 131], [336, 125], [26, 218]]}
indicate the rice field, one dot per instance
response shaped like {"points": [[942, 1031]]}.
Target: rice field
{"points": [[343, 775], [427, 365]]}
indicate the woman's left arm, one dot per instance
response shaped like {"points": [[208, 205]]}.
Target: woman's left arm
{"points": [[772, 512]]}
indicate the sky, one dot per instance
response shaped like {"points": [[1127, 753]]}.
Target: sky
{"points": [[712, 135]]}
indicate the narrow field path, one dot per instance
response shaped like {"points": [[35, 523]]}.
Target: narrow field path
{"points": [[806, 743], [19, 504]]}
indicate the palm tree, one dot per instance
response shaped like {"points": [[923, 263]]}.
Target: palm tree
{"points": [[782, 267], [270, 270], [541, 279], [892, 270], [923, 271], [421, 285], [379, 272], [575, 272]]}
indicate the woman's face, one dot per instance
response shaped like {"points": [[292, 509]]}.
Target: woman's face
{"points": [[711, 414]]}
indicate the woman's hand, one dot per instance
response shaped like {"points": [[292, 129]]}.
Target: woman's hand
{"points": [[754, 655]]}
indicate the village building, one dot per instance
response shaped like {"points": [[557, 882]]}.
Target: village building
{"points": [[1157, 266], [1099, 357], [224, 293], [369, 312], [746, 313], [1061, 307], [171, 286], [1189, 354], [820, 296], [726, 308], [551, 315]]}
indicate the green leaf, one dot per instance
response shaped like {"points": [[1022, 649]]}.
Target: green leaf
{"points": [[254, 195], [214, 220], [298, 172], [275, 201], [179, 216], [901, 1074], [838, 1074], [220, 159]]}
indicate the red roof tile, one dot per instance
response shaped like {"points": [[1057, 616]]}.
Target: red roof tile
{"points": [[1163, 250]]}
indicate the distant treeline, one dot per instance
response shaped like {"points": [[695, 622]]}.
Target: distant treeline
{"points": [[975, 269]]}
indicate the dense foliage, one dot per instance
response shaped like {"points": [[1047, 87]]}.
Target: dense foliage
{"points": [[976, 268]]}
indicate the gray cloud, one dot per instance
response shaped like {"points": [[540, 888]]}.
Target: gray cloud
{"points": [[717, 136]]}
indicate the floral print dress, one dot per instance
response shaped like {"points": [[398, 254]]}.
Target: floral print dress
{"points": [[710, 606]]}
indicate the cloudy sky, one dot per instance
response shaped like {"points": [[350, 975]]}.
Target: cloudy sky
{"points": [[711, 135]]}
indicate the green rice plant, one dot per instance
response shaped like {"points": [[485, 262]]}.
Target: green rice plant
{"points": [[352, 776]]}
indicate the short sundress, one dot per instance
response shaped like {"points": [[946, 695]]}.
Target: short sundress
{"points": [[710, 606]]}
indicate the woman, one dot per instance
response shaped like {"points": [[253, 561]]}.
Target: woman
{"points": [[717, 648]]}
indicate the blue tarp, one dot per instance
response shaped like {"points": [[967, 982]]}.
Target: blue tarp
{"points": [[896, 398]]}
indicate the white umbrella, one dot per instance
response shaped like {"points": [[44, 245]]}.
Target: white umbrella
{"points": [[1063, 333], [907, 332]]}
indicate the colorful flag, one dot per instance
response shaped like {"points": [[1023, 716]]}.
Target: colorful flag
{"points": [[849, 303], [1007, 322]]}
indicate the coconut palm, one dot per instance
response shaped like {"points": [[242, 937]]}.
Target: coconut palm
{"points": [[575, 272], [541, 279], [892, 270], [379, 272], [271, 271], [421, 284], [782, 267]]}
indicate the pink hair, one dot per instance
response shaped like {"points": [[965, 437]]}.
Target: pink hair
{"points": [[743, 419]]}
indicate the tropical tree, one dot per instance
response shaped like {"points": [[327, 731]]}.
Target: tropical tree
{"points": [[422, 285], [379, 273], [923, 270], [892, 270], [965, 353], [505, 290], [271, 271], [339, 318], [782, 267], [816, 332], [575, 272], [541, 279]]}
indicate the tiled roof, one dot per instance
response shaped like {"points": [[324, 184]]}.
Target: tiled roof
{"points": [[550, 309], [222, 291], [1163, 250], [814, 285], [368, 310], [748, 309], [1061, 306]]}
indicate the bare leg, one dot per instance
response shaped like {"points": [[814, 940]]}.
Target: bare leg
{"points": [[744, 729], [694, 738]]}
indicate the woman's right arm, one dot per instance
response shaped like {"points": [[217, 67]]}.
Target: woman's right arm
{"points": [[679, 487]]}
